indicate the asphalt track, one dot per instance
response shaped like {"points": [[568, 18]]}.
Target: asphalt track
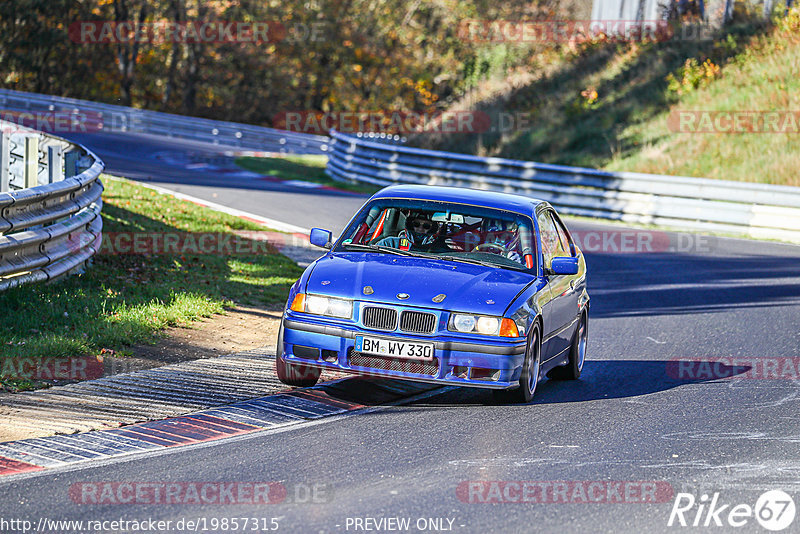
{"points": [[633, 417]]}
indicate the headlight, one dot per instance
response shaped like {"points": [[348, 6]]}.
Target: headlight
{"points": [[340, 308], [483, 324], [488, 325], [464, 323], [319, 305]]}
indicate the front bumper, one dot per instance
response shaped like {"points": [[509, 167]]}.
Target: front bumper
{"points": [[457, 361]]}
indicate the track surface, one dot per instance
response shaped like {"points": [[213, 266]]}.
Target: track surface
{"points": [[627, 419]]}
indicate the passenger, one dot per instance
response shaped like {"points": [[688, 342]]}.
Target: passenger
{"points": [[502, 238]]}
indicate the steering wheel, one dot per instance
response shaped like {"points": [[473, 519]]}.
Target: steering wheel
{"points": [[496, 246]]}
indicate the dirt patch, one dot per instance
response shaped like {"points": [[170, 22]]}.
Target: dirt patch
{"points": [[239, 329]]}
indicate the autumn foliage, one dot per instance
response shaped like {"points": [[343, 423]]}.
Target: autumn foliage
{"points": [[250, 61]]}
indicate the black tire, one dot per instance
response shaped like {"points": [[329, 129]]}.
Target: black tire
{"points": [[302, 376], [577, 353], [530, 373]]}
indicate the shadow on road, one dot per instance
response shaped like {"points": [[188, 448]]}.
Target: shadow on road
{"points": [[601, 380]]}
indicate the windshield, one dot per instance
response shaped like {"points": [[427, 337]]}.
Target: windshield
{"points": [[455, 232]]}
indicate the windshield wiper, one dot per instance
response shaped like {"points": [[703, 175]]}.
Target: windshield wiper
{"points": [[466, 260], [477, 262], [377, 248]]}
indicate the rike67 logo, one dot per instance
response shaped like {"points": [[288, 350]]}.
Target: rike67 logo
{"points": [[774, 510]]}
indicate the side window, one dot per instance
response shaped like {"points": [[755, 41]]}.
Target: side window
{"points": [[550, 240], [563, 236]]}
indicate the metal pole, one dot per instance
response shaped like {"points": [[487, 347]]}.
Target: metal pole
{"points": [[54, 161], [71, 163], [728, 11], [31, 162], [5, 161]]}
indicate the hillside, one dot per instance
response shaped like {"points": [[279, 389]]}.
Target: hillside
{"points": [[608, 105]]}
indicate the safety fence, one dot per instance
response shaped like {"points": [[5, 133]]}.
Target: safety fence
{"points": [[50, 223], [92, 117], [760, 211]]}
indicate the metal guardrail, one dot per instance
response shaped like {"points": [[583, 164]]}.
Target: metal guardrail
{"points": [[50, 223], [757, 210], [110, 118]]}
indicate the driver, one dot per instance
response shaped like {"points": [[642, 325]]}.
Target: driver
{"points": [[420, 234]]}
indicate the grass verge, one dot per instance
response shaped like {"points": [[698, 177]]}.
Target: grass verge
{"points": [[307, 168], [125, 299]]}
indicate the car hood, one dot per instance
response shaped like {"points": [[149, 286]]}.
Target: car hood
{"points": [[474, 288]]}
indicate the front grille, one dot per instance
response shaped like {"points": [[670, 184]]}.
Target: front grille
{"points": [[357, 359], [417, 322], [380, 318]]}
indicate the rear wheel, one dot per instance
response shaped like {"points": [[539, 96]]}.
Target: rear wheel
{"points": [[293, 374], [577, 353], [529, 376]]}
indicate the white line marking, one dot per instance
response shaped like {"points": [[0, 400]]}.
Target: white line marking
{"points": [[300, 183], [271, 223]]}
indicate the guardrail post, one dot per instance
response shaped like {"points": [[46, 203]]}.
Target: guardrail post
{"points": [[71, 163], [5, 161], [54, 173], [31, 163]]}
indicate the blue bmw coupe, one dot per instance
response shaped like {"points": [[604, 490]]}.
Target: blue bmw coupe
{"points": [[444, 285]]}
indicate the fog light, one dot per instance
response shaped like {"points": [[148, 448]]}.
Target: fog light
{"points": [[479, 373], [460, 372]]}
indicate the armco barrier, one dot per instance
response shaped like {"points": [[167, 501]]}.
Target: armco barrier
{"points": [[110, 118], [50, 204], [757, 210]]}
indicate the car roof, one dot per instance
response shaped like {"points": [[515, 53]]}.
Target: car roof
{"points": [[462, 195]]}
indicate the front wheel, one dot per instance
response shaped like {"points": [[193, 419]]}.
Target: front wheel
{"points": [[291, 374], [529, 376], [577, 354]]}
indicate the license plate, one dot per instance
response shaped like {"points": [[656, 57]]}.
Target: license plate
{"points": [[394, 348]]}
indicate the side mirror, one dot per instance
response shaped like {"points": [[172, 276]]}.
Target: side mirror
{"points": [[320, 237], [564, 265]]}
